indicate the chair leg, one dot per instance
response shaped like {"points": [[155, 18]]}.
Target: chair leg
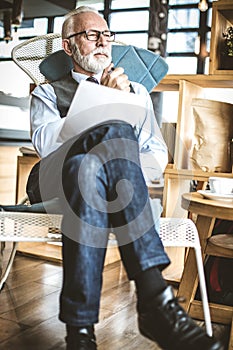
{"points": [[9, 265], [203, 291]]}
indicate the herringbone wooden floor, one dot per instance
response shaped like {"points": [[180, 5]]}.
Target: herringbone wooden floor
{"points": [[29, 305]]}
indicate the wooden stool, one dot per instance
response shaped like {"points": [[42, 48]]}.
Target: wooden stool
{"points": [[220, 245]]}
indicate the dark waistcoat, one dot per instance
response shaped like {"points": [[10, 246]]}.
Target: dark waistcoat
{"points": [[65, 89]]}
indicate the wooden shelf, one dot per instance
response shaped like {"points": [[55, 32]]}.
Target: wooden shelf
{"points": [[191, 174], [171, 82]]}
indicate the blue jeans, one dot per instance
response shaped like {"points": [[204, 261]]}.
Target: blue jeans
{"points": [[99, 182]]}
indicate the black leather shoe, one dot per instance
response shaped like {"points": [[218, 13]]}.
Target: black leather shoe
{"points": [[80, 338], [165, 322]]}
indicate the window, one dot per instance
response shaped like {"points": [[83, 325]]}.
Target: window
{"points": [[182, 65], [188, 31], [13, 117], [136, 39], [58, 24], [14, 82], [183, 2], [98, 4], [181, 42], [183, 18], [38, 26], [129, 21], [126, 4], [29, 28]]}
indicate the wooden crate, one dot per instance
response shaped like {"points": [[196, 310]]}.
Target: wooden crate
{"points": [[222, 17], [192, 86]]}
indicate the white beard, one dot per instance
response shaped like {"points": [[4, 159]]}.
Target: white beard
{"points": [[89, 62]]}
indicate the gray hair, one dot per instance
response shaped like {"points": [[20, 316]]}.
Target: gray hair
{"points": [[69, 18]]}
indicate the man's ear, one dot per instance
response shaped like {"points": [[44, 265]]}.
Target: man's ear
{"points": [[66, 47]]}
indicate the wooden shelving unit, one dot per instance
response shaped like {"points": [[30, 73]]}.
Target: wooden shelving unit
{"points": [[190, 86], [179, 174]]}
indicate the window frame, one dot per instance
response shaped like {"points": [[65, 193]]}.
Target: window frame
{"points": [[202, 30]]}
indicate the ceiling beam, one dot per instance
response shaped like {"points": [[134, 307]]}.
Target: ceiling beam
{"points": [[43, 8], [68, 4]]}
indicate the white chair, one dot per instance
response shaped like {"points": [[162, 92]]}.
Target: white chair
{"points": [[41, 227], [25, 223]]}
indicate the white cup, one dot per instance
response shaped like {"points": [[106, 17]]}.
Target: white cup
{"points": [[221, 185]]}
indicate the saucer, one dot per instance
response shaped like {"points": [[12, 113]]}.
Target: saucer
{"points": [[216, 196]]}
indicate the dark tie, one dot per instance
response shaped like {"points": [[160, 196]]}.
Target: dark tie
{"points": [[92, 80]]}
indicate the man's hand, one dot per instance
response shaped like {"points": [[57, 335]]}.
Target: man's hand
{"points": [[115, 79]]}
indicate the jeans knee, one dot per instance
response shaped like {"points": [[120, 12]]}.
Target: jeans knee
{"points": [[84, 167], [123, 130]]}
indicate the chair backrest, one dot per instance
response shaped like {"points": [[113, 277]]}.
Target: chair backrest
{"points": [[30, 53], [43, 59]]}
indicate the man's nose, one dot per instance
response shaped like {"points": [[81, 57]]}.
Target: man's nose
{"points": [[102, 41]]}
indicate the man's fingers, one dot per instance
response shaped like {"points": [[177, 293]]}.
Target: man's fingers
{"points": [[107, 70], [115, 78], [116, 72]]}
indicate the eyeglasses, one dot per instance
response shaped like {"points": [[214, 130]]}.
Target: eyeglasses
{"points": [[94, 35]]}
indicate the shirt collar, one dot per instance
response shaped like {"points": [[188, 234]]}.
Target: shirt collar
{"points": [[79, 77]]}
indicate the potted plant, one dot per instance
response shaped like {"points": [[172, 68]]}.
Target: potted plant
{"points": [[227, 55]]}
